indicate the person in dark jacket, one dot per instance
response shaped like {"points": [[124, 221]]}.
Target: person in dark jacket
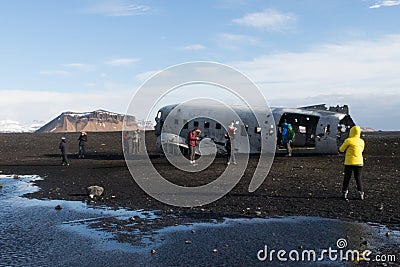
{"points": [[64, 151], [82, 143]]}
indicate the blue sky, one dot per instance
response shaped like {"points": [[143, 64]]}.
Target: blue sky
{"points": [[86, 55]]}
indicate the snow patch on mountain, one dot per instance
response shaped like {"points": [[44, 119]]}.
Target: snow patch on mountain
{"points": [[12, 126]]}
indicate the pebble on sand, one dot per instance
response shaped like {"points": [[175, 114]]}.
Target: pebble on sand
{"points": [[95, 191]]}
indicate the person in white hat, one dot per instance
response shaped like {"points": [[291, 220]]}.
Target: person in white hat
{"points": [[82, 143], [64, 151]]}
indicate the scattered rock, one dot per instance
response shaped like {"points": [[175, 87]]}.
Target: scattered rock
{"points": [[58, 207], [188, 242], [1, 186], [257, 213], [94, 191], [215, 250], [193, 231], [380, 208], [153, 251], [388, 234], [16, 177]]}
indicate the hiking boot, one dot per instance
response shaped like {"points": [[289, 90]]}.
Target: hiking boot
{"points": [[345, 195], [361, 195]]}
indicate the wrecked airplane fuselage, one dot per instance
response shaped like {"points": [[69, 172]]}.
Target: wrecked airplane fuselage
{"points": [[319, 130]]}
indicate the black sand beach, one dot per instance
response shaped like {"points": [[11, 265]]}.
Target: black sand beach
{"points": [[296, 186]]}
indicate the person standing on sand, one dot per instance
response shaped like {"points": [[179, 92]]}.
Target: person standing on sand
{"points": [[287, 137], [126, 139], [82, 143], [354, 161], [135, 141], [230, 144], [192, 141], [64, 151]]}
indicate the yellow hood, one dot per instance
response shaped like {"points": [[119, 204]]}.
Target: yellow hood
{"points": [[355, 131]]}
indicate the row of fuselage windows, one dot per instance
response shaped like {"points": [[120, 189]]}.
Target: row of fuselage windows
{"points": [[206, 124], [218, 126]]}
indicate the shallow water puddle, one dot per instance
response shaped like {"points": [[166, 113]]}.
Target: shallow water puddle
{"points": [[32, 232]]}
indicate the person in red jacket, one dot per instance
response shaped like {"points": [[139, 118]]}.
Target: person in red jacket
{"points": [[192, 141]]}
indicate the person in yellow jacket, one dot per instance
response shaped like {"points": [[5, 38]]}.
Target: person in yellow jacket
{"points": [[354, 161]]}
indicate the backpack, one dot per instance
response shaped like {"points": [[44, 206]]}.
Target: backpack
{"points": [[290, 134]]}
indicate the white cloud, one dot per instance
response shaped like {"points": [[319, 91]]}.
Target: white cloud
{"points": [[117, 8], [356, 66], [122, 61], [194, 47], [29, 105], [364, 73], [146, 75], [80, 66], [235, 41], [269, 19], [111, 85], [383, 3], [90, 84], [55, 72]]}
